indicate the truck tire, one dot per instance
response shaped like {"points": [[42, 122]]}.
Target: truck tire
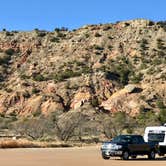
{"points": [[159, 153], [105, 157], [134, 156], [125, 155], [152, 155]]}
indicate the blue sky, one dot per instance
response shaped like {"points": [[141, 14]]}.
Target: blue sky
{"points": [[49, 14]]}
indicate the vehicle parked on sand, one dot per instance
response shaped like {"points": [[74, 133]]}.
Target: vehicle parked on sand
{"points": [[125, 146], [157, 134]]}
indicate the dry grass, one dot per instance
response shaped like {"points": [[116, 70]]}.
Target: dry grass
{"points": [[9, 143], [16, 144]]}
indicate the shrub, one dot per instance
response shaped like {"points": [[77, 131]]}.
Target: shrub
{"points": [[136, 78], [87, 35], [35, 91], [120, 70], [106, 27], [147, 118], [160, 104], [55, 39], [160, 44], [24, 76], [10, 51], [38, 77], [4, 59], [97, 47], [60, 34], [162, 116], [61, 29], [37, 113], [110, 47], [144, 44], [97, 34], [94, 101], [41, 33], [162, 24], [9, 33]]}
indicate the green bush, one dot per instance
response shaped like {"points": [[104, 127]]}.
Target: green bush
{"points": [[95, 102], [146, 117], [4, 59], [55, 39], [60, 34], [119, 70], [97, 47], [162, 116], [136, 78], [38, 77], [143, 45], [110, 47], [35, 91], [97, 34], [41, 34], [160, 104], [10, 51]]}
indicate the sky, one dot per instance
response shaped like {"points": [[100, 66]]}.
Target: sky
{"points": [[49, 14]]}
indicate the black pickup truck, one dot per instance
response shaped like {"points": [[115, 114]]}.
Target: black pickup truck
{"points": [[125, 146]]}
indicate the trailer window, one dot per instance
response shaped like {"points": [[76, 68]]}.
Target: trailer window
{"points": [[156, 137]]}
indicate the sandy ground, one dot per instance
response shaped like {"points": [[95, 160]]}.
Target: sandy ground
{"points": [[86, 156]]}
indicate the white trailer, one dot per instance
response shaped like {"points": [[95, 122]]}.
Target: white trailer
{"points": [[157, 134]]}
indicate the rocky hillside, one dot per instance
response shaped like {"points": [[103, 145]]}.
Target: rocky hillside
{"points": [[91, 73]]}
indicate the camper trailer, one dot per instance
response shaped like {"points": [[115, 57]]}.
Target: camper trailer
{"points": [[157, 134]]}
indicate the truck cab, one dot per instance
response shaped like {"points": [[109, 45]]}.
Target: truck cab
{"points": [[157, 134], [125, 146]]}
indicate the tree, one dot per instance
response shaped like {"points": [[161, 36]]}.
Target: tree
{"points": [[67, 128], [34, 128]]}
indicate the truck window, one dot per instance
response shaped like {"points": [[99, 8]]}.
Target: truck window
{"points": [[122, 139], [141, 140], [135, 140], [156, 137]]}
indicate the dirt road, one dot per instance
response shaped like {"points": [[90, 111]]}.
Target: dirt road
{"points": [[87, 156]]}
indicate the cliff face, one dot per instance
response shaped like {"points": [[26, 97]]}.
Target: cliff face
{"points": [[112, 67]]}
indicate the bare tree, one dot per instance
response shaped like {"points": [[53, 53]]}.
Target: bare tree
{"points": [[66, 125], [34, 128]]}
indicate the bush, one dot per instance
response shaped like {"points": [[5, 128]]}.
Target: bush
{"points": [[95, 102], [110, 47], [162, 116], [10, 51], [160, 104], [97, 47], [41, 34], [4, 59], [162, 24], [55, 39], [35, 91], [97, 34], [146, 117], [38, 77], [120, 70], [60, 34], [9, 33], [136, 78], [61, 29], [143, 45]]}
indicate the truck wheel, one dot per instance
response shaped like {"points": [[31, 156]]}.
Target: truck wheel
{"points": [[159, 153], [134, 156], [125, 155], [151, 155], [105, 157]]}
